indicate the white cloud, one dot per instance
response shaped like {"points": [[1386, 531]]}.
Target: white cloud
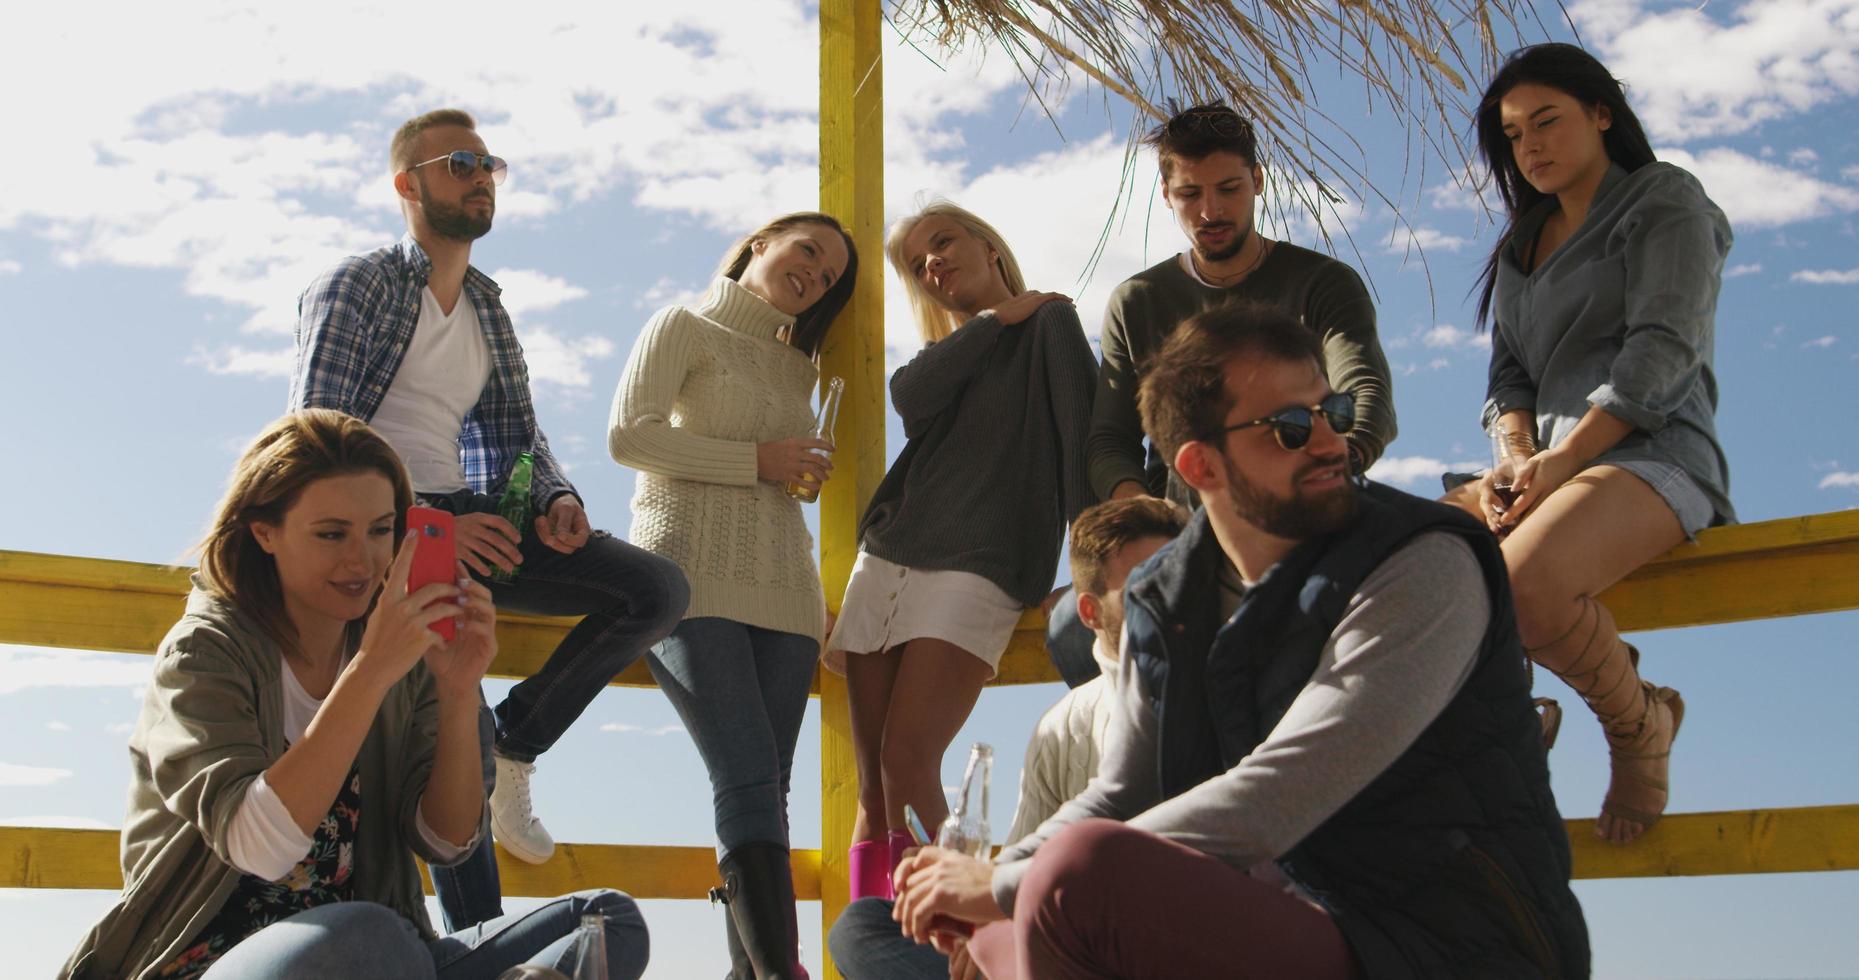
{"points": [[1445, 335], [624, 728], [22, 668], [1745, 269], [1423, 238], [1850, 173], [1768, 59], [13, 774], [57, 726], [120, 728], [238, 360], [9, 267], [1406, 471], [528, 291], [1826, 277], [669, 292], [561, 360], [1803, 157], [1847, 480], [1755, 193], [1820, 342]]}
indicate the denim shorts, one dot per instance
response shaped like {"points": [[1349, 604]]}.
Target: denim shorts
{"points": [[1679, 491]]}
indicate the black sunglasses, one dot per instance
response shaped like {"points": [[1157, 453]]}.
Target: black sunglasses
{"points": [[1291, 426], [461, 164]]}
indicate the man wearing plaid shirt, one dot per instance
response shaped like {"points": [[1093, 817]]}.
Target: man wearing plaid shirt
{"points": [[415, 340]]}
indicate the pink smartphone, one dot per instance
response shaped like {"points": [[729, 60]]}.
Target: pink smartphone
{"points": [[435, 556]]}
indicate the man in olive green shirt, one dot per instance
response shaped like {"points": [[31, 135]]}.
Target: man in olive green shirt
{"points": [[1210, 180]]}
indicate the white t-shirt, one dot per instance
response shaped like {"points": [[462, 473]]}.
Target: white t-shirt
{"points": [[444, 371], [263, 840]]}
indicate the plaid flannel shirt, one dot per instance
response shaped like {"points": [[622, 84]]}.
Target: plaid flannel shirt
{"points": [[353, 327]]}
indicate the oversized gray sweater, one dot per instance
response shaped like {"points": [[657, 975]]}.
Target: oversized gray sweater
{"points": [[996, 417]]}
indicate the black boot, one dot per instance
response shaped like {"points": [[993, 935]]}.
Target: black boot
{"points": [[739, 966], [758, 888]]}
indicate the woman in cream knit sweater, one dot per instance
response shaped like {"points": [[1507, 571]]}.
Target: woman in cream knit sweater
{"points": [[713, 411]]}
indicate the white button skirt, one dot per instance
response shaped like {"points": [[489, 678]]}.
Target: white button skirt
{"points": [[887, 604]]}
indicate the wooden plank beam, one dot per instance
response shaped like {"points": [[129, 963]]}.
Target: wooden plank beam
{"points": [[53, 857], [1803, 565], [1736, 842]]}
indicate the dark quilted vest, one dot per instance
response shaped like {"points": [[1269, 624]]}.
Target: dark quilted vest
{"points": [[1453, 861]]}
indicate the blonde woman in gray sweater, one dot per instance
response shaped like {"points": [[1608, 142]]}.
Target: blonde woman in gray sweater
{"points": [[964, 532], [713, 412]]}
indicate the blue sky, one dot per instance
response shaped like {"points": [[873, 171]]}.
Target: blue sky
{"points": [[180, 173]]}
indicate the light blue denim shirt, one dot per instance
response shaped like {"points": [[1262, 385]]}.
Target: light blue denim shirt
{"points": [[1622, 317]]}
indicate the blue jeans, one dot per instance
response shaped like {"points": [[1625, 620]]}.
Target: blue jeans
{"points": [[742, 692], [365, 940], [867, 945], [1069, 641], [629, 599]]}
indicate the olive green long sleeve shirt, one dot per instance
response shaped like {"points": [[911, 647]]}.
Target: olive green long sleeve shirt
{"points": [[1322, 293]]}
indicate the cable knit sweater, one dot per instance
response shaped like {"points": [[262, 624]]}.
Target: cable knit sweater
{"points": [[701, 388]]}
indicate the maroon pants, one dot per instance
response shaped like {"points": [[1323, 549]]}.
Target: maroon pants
{"points": [[1103, 900]]}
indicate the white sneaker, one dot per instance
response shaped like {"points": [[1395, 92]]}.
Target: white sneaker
{"points": [[512, 822]]}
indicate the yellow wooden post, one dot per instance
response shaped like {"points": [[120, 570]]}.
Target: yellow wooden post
{"points": [[852, 190]]}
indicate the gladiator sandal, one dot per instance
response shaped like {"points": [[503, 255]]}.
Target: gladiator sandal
{"points": [[1640, 720]]}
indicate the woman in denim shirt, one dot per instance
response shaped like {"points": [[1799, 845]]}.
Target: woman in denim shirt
{"points": [[1603, 295]]}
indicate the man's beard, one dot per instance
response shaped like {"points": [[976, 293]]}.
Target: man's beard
{"points": [[1299, 517], [454, 222], [1240, 238]]}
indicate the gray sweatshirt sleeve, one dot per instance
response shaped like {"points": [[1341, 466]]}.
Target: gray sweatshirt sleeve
{"points": [[1406, 643], [933, 379], [1071, 375]]}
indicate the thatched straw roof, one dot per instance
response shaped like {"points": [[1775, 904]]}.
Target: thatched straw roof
{"points": [[1257, 55]]}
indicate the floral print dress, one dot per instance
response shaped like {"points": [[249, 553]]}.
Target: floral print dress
{"points": [[325, 875]]}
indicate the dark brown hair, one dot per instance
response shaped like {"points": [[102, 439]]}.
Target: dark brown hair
{"points": [[1184, 398], [1565, 68], [810, 327], [1199, 131], [292, 453], [1105, 529], [406, 139]]}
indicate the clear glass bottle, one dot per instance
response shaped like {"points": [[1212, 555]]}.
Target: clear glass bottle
{"points": [[966, 829], [514, 505], [823, 426], [590, 948]]}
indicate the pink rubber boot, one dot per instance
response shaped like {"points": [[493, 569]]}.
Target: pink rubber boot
{"points": [[869, 870]]}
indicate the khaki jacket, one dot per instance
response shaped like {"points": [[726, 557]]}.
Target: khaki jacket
{"points": [[212, 721]]}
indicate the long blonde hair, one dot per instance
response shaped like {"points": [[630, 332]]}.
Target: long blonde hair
{"points": [[292, 453], [935, 321]]}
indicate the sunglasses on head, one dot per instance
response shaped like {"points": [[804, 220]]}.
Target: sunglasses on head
{"points": [[1291, 426], [1221, 122], [462, 163]]}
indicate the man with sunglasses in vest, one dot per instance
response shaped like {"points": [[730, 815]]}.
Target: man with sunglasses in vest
{"points": [[414, 339], [1211, 179], [1323, 760]]}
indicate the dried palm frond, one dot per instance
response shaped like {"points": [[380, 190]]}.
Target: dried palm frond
{"points": [[1257, 55]]}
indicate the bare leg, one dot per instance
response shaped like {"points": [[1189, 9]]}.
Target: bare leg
{"points": [[869, 680], [937, 685], [1587, 535]]}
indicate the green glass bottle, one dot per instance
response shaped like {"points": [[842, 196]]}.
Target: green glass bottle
{"points": [[514, 505]]}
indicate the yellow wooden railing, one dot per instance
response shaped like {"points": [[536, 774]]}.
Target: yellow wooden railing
{"points": [[1753, 571]]}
